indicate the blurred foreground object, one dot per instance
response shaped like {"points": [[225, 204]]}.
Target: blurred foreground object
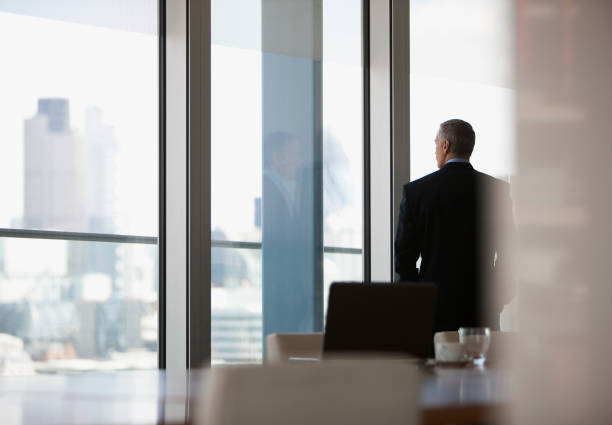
{"points": [[323, 393], [564, 104]]}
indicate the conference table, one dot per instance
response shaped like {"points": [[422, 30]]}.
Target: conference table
{"points": [[460, 395]]}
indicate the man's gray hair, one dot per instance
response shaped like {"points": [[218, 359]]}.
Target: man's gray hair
{"points": [[460, 135]]}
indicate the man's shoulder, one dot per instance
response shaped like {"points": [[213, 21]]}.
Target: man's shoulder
{"points": [[492, 181], [420, 183], [494, 188], [440, 177]]}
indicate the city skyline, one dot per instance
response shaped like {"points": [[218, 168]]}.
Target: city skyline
{"points": [[81, 63], [117, 71], [94, 301]]}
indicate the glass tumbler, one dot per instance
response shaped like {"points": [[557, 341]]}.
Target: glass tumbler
{"points": [[476, 342]]}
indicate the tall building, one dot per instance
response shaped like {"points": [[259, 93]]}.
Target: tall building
{"points": [[53, 170], [100, 191], [2, 257], [70, 186], [57, 112], [100, 174]]}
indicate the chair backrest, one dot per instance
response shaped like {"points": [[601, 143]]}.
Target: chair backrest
{"points": [[322, 393], [446, 336], [447, 347], [281, 347], [380, 318]]}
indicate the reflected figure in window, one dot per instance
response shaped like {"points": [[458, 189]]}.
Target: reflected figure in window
{"points": [[287, 237], [459, 221]]}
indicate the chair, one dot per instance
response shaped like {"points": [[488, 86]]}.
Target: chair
{"points": [[379, 318], [446, 336], [281, 347], [503, 344], [351, 392], [452, 349]]}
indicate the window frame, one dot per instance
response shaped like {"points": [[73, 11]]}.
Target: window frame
{"points": [[190, 288], [117, 238]]}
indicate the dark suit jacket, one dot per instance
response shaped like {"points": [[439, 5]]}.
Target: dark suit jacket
{"points": [[287, 258], [445, 219]]}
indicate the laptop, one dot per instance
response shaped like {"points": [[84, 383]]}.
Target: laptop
{"points": [[383, 318]]}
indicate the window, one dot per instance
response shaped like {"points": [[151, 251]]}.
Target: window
{"points": [[462, 68], [286, 166], [78, 173]]}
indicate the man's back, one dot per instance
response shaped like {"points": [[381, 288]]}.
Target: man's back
{"points": [[444, 219]]}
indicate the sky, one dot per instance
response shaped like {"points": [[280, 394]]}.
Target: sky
{"points": [[112, 69], [116, 70], [460, 68], [237, 115]]}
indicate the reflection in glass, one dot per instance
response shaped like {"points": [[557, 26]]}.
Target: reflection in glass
{"points": [[286, 162], [291, 223]]}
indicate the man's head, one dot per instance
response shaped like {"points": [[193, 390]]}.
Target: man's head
{"points": [[282, 154], [455, 139]]}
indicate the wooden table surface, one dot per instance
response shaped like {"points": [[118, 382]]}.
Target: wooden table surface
{"points": [[457, 395]]}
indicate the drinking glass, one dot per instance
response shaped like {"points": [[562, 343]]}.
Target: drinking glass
{"points": [[476, 342]]}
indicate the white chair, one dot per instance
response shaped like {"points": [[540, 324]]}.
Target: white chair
{"points": [[447, 347], [446, 336], [281, 347], [350, 392]]}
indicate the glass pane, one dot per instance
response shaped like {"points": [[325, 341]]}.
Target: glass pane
{"points": [[286, 164], [341, 267], [236, 305], [79, 110], [77, 306], [342, 125], [462, 68]]}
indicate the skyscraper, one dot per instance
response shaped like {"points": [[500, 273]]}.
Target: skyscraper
{"points": [[53, 170], [100, 173], [57, 112], [70, 186], [100, 195]]}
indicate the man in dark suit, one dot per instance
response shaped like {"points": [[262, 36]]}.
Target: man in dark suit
{"points": [[288, 281], [458, 221]]}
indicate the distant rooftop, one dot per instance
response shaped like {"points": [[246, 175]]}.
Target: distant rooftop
{"points": [[57, 111]]}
